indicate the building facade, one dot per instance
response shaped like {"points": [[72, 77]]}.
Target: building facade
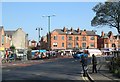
{"points": [[118, 39], [17, 38], [61, 39], [108, 41], [2, 47]]}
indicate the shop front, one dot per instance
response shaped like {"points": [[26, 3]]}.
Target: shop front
{"points": [[2, 52]]}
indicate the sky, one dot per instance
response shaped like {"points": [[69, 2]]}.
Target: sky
{"points": [[28, 16]]}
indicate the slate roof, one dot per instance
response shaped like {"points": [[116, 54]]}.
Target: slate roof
{"points": [[1, 27], [60, 31], [105, 36], [10, 33]]}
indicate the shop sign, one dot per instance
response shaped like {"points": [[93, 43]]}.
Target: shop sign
{"points": [[2, 48]]}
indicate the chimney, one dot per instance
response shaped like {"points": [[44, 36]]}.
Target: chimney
{"points": [[71, 29], [102, 33], [64, 29], [78, 30]]}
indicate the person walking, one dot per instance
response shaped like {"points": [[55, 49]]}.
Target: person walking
{"points": [[94, 63], [84, 64]]}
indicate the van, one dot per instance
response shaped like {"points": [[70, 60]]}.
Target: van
{"points": [[96, 52]]}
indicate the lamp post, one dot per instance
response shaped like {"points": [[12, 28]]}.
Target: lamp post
{"points": [[48, 16], [39, 37]]}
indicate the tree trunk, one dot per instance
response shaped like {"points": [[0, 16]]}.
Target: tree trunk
{"points": [[118, 27]]}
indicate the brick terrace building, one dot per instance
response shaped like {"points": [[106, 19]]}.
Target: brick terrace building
{"points": [[108, 41], [118, 39], [62, 39]]}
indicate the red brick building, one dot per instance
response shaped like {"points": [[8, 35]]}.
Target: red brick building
{"points": [[107, 41], [61, 39]]}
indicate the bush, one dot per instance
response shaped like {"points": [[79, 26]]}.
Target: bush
{"points": [[114, 65], [118, 61], [119, 72]]}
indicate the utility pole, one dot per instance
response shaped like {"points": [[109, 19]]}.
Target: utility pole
{"points": [[39, 37], [48, 16]]}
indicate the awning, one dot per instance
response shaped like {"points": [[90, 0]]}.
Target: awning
{"points": [[2, 48], [42, 50]]}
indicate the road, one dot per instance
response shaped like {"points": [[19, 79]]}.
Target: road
{"points": [[59, 69]]}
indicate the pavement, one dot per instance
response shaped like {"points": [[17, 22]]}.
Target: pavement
{"points": [[103, 74]]}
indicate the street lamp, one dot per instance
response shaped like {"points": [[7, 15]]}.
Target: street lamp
{"points": [[39, 37], [48, 16]]}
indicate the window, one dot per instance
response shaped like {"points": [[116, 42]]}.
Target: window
{"points": [[55, 44], [77, 38], [92, 45], [92, 38], [55, 37], [118, 45], [113, 45], [77, 45], [106, 45], [70, 37], [62, 37], [84, 45], [2, 39], [70, 45], [111, 39], [102, 45], [84, 38], [62, 44]]}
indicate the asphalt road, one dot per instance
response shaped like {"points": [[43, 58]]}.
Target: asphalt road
{"points": [[59, 69]]}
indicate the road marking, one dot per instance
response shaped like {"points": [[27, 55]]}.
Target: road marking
{"points": [[90, 76], [85, 79]]}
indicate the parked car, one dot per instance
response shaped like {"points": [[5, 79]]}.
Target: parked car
{"points": [[77, 55], [43, 55]]}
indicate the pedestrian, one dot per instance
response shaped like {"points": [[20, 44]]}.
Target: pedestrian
{"points": [[84, 64], [94, 63]]}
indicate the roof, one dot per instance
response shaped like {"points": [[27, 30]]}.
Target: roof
{"points": [[10, 33], [105, 36], [1, 27], [33, 41], [60, 31]]}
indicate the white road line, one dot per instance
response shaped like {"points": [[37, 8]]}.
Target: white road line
{"points": [[85, 79], [90, 76]]}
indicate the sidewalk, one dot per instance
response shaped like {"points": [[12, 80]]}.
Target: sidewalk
{"points": [[102, 75]]}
